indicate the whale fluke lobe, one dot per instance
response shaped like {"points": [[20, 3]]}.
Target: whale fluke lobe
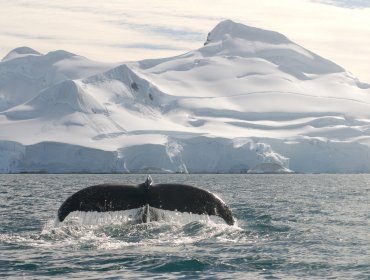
{"points": [[185, 198], [103, 198], [172, 197]]}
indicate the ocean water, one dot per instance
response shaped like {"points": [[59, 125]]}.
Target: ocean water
{"points": [[288, 227]]}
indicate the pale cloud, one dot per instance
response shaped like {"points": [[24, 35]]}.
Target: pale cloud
{"points": [[122, 30], [347, 3]]}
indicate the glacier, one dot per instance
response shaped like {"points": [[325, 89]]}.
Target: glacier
{"points": [[248, 101]]}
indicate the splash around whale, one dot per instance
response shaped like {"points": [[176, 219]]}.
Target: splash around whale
{"points": [[146, 197]]}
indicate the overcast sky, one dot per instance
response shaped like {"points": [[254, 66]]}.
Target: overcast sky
{"points": [[119, 30]]}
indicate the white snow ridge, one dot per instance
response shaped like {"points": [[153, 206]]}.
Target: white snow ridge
{"points": [[248, 101]]}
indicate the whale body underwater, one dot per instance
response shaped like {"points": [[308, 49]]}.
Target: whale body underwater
{"points": [[172, 197]]}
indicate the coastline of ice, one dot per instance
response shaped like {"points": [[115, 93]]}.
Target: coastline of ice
{"points": [[249, 100]]}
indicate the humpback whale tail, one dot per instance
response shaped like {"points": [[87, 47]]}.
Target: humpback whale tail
{"points": [[173, 197]]}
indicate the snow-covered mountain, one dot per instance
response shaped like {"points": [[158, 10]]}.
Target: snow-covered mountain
{"points": [[249, 100]]}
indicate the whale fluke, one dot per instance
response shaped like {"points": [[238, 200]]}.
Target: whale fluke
{"points": [[173, 197]]}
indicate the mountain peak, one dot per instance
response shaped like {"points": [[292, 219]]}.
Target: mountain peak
{"points": [[229, 38], [229, 28], [60, 54], [19, 52]]}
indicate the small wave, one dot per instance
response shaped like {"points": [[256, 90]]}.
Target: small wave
{"points": [[181, 265]]}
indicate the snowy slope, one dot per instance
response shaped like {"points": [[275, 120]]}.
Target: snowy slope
{"points": [[24, 72], [249, 100]]}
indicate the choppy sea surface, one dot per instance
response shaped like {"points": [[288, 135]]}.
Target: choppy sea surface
{"points": [[288, 227]]}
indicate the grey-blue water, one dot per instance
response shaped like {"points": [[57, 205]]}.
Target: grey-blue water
{"points": [[288, 227]]}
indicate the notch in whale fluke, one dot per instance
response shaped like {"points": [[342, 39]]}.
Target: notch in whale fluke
{"points": [[173, 197]]}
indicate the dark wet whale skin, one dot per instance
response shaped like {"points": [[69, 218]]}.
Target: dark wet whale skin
{"points": [[173, 197]]}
